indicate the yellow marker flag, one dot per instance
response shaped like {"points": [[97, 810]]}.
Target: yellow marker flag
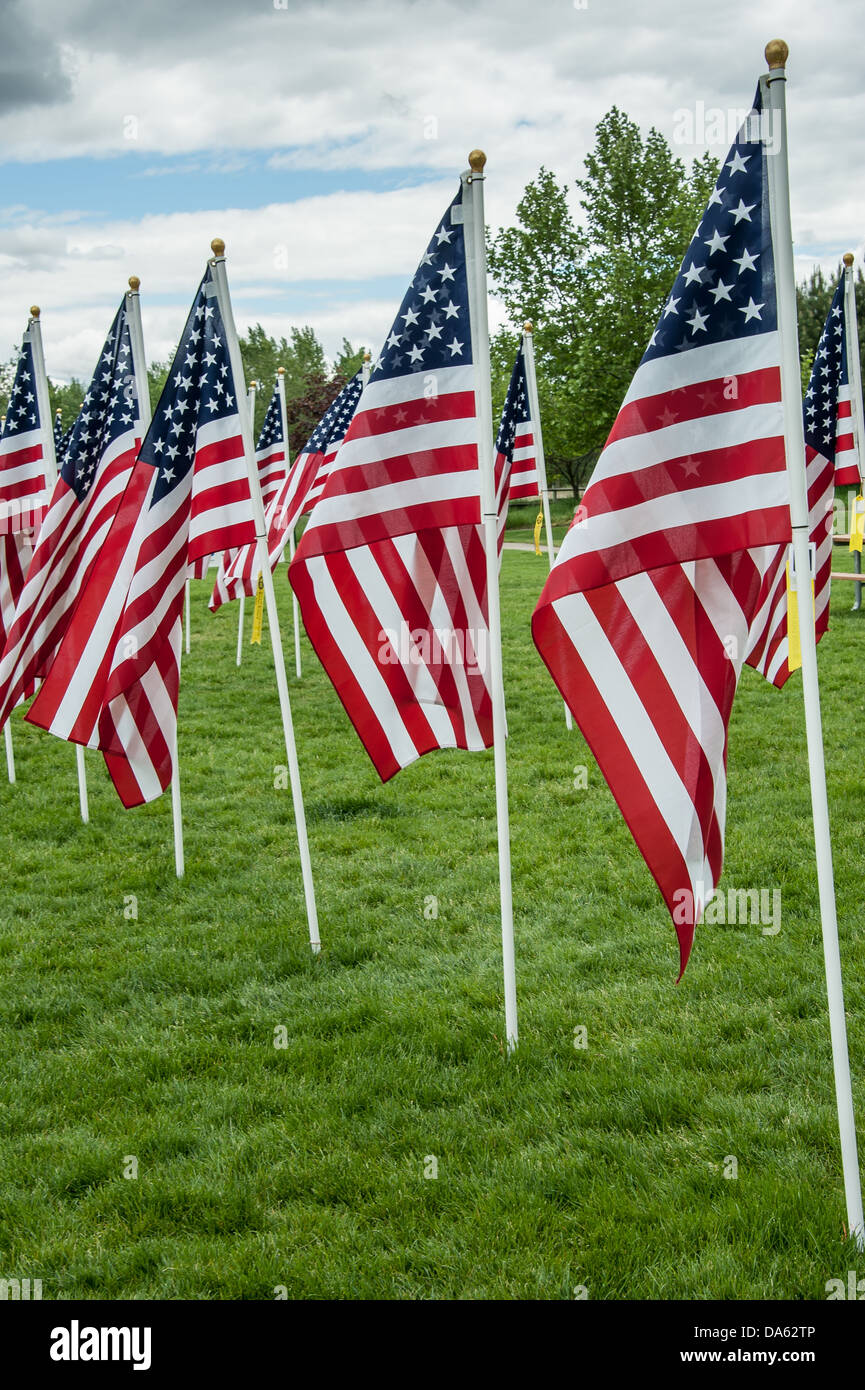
{"points": [[857, 525], [539, 521], [794, 644], [258, 614]]}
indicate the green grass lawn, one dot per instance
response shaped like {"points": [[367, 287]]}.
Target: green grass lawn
{"points": [[303, 1166]]}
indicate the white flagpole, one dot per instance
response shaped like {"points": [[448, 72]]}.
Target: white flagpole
{"points": [[43, 400], [540, 457], [773, 86], [10, 751], [476, 268], [241, 602], [295, 611], [218, 263], [187, 614], [142, 395]]}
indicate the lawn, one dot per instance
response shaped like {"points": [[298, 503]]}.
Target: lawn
{"points": [[305, 1167]]}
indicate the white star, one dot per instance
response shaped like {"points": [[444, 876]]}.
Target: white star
{"points": [[721, 291], [451, 311], [446, 273], [751, 311], [455, 348], [670, 306], [715, 197], [737, 163], [747, 261], [410, 317], [442, 235], [716, 242], [742, 211], [698, 322], [694, 272]]}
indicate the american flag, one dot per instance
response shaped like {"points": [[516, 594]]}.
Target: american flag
{"points": [[114, 682], [295, 496], [270, 457], [644, 618], [390, 572], [58, 435], [22, 459], [22, 494], [270, 451], [516, 439], [830, 454], [93, 475]]}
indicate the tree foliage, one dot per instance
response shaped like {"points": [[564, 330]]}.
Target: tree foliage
{"points": [[594, 287]]}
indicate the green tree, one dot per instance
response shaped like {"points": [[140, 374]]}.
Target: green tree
{"points": [[594, 289]]}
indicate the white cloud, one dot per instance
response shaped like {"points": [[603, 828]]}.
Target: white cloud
{"points": [[399, 85]]}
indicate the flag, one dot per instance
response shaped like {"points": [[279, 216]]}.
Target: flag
{"points": [[293, 498], [22, 494], [270, 458], [829, 453], [270, 451], [644, 619], [22, 458], [390, 572], [114, 682], [516, 435], [58, 436], [93, 476]]}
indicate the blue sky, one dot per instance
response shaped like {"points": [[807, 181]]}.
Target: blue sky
{"points": [[322, 140]]}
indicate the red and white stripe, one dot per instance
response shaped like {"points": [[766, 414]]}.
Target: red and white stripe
{"points": [[22, 481], [70, 540], [524, 471], [847, 461], [768, 648], [390, 573], [114, 682], [294, 497], [645, 616]]}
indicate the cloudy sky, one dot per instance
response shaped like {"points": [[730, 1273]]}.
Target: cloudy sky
{"points": [[321, 140]]}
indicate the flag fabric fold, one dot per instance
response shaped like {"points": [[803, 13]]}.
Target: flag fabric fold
{"points": [[516, 435], [114, 682], [645, 617], [22, 497], [294, 496], [390, 572], [93, 474], [830, 455]]}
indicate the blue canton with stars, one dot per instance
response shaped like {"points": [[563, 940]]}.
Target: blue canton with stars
{"points": [[725, 288], [336, 419], [828, 375], [109, 410], [58, 435], [432, 327], [271, 429], [516, 407], [200, 388], [22, 412]]}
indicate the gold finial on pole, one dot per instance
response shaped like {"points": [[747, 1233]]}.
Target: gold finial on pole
{"points": [[217, 246], [777, 53], [34, 311], [848, 259], [134, 284], [527, 326], [280, 371], [253, 385], [477, 160], [367, 356]]}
